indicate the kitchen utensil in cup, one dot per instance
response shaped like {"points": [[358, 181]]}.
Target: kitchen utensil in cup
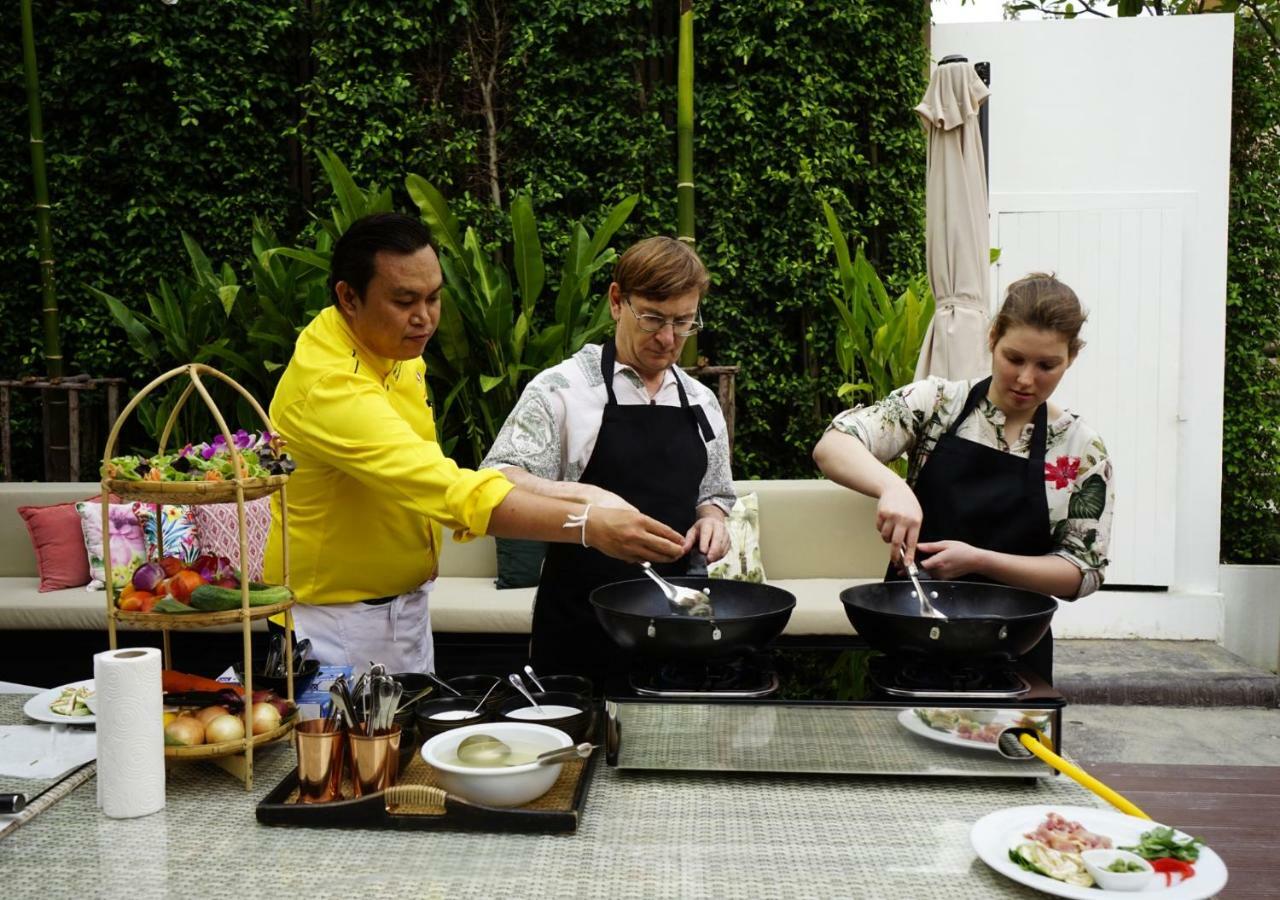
{"points": [[533, 679], [375, 760], [444, 685], [518, 683], [475, 686], [321, 752]]}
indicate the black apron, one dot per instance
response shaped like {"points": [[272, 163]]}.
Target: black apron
{"points": [[654, 457], [989, 499]]}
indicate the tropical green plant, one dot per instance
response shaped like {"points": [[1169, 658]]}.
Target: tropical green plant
{"points": [[483, 351], [878, 338]]}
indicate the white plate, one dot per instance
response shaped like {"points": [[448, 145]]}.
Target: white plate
{"points": [[994, 835], [910, 721], [38, 706]]}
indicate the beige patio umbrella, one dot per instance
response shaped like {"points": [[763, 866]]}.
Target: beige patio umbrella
{"points": [[956, 235]]}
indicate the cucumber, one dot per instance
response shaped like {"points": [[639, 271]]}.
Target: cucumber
{"points": [[210, 598]]}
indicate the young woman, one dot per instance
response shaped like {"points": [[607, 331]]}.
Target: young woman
{"points": [[1002, 485]]}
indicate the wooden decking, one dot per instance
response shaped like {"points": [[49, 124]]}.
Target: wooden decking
{"points": [[1234, 809]]}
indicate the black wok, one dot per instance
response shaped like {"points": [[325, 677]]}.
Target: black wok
{"points": [[984, 621], [639, 619]]}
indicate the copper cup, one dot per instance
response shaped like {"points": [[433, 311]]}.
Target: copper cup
{"points": [[375, 760], [320, 760]]}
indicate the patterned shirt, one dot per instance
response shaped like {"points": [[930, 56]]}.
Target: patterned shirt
{"points": [[552, 431], [1078, 479]]}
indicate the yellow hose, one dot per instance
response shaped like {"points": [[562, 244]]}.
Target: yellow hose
{"points": [[1078, 775]]}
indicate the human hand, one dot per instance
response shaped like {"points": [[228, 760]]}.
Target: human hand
{"points": [[631, 536], [710, 535], [898, 518], [950, 559]]}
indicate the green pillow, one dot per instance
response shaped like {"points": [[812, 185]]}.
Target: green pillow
{"points": [[519, 562]]}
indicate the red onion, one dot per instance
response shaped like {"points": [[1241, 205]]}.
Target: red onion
{"points": [[148, 576], [206, 567]]}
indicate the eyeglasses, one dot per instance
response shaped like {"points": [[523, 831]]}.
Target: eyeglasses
{"points": [[683, 326]]}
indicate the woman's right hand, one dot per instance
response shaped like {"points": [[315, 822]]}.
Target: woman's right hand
{"points": [[898, 518]]}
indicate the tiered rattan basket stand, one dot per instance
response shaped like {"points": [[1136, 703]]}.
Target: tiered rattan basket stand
{"points": [[235, 756]]}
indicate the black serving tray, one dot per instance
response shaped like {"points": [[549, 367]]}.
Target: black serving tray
{"points": [[373, 811]]}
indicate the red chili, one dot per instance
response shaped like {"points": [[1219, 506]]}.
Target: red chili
{"points": [[1168, 866]]}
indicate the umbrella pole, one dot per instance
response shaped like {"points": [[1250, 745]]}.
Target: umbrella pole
{"points": [[984, 72]]}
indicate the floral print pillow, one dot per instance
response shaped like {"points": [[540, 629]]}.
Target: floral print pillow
{"points": [[128, 548], [743, 561], [181, 536]]}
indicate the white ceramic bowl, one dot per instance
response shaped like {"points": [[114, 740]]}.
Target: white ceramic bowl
{"points": [[506, 786], [1096, 861]]}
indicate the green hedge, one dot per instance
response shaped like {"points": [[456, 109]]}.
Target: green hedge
{"points": [[1251, 429], [199, 115]]}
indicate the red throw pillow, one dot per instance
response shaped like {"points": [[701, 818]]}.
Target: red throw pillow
{"points": [[58, 541]]}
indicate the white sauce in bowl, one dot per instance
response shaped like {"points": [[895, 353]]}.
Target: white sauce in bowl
{"points": [[548, 711], [454, 715]]}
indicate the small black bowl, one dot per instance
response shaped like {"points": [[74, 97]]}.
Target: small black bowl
{"points": [[430, 706], [412, 683], [476, 686], [568, 684], [301, 679], [578, 726]]}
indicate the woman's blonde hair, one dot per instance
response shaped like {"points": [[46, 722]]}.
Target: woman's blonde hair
{"points": [[1041, 301], [659, 268]]}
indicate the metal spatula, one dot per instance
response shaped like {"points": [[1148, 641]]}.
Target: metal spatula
{"points": [[926, 608], [682, 599]]}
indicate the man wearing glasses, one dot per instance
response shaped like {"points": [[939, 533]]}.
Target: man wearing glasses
{"points": [[620, 424]]}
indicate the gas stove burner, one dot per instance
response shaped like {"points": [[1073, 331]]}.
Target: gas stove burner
{"points": [[736, 677], [925, 678]]}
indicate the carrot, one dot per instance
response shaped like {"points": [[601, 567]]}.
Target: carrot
{"points": [[180, 682]]}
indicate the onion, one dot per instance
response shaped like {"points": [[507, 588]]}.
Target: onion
{"points": [[206, 567], [225, 727], [184, 731], [209, 713], [147, 577], [226, 569], [265, 718]]}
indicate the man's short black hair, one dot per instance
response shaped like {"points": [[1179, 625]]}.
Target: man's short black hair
{"points": [[353, 255]]}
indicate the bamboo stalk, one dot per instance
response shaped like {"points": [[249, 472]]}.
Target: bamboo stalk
{"points": [[684, 150], [49, 307]]}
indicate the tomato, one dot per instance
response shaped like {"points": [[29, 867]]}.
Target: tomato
{"points": [[172, 565], [182, 584]]}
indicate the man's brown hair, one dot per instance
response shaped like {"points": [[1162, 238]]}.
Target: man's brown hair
{"points": [[659, 268]]}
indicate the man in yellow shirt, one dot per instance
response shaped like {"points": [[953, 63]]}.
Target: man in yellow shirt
{"points": [[372, 490]]}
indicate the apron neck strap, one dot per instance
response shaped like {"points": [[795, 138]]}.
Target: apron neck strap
{"points": [[1039, 419], [609, 356]]}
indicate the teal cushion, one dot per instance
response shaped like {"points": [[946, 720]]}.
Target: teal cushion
{"points": [[519, 562]]}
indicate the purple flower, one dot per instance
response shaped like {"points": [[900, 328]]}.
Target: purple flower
{"points": [[185, 451], [243, 440]]}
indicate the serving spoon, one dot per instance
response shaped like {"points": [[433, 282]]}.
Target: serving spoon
{"points": [[487, 751], [682, 599], [518, 683]]}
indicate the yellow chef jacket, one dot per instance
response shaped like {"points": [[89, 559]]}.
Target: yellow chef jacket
{"points": [[372, 488]]}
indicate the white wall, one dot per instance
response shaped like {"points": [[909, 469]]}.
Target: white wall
{"points": [[1131, 105]]}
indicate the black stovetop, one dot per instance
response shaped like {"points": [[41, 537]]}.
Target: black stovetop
{"points": [[849, 674]]}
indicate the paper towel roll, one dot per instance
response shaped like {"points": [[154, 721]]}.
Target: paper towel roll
{"points": [[130, 725]]}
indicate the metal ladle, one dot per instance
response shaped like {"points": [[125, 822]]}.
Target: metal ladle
{"points": [[487, 751], [518, 683], [926, 608], [682, 599]]}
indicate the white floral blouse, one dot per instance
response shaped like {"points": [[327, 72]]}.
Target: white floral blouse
{"points": [[1078, 480]]}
